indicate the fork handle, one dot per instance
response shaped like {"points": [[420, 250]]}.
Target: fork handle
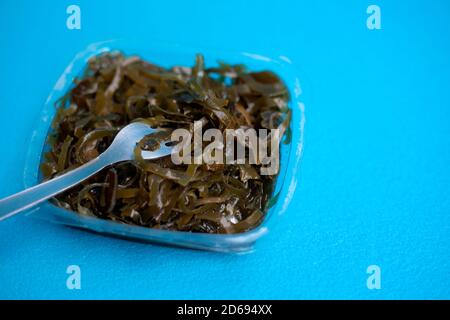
{"points": [[32, 196]]}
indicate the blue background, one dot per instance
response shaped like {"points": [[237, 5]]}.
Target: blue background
{"points": [[374, 178]]}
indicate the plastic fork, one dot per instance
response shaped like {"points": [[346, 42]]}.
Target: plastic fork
{"points": [[121, 149]]}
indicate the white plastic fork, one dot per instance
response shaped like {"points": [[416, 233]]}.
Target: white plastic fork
{"points": [[121, 149]]}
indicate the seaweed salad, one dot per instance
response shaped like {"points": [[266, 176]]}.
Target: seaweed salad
{"points": [[115, 90]]}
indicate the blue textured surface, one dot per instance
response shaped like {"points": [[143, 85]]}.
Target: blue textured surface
{"points": [[374, 180]]}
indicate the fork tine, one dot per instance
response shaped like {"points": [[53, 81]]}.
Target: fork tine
{"points": [[161, 152]]}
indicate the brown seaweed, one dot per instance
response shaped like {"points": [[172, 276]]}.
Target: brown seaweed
{"points": [[116, 90]]}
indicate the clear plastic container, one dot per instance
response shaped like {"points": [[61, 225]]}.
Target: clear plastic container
{"points": [[168, 55]]}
